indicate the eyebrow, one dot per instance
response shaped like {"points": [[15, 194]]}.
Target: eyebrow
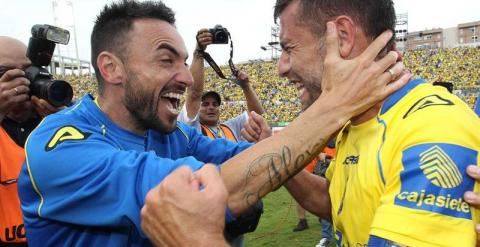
{"points": [[171, 49]]}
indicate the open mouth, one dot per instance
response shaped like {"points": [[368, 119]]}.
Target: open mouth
{"points": [[174, 99], [300, 88]]}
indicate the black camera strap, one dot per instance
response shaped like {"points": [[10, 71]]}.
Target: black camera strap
{"points": [[214, 65]]}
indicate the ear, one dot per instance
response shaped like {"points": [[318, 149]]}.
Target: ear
{"points": [[110, 67], [346, 33]]}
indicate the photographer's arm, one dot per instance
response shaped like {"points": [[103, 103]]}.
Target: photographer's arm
{"points": [[195, 91], [253, 102], [349, 88]]}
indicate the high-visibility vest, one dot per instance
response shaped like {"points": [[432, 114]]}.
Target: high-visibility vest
{"points": [[12, 157], [330, 152], [226, 132], [311, 166]]}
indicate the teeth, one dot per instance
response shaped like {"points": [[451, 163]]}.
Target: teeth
{"points": [[300, 90], [176, 96]]}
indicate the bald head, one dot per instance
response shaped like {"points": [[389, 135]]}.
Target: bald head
{"points": [[14, 57]]}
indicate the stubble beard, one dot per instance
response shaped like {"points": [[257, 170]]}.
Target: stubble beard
{"points": [[143, 106]]}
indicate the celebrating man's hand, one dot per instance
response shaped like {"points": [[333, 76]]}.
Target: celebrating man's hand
{"points": [[473, 198], [365, 80], [256, 128], [186, 209]]}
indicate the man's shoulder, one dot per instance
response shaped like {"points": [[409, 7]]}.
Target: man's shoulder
{"points": [[74, 115], [72, 123], [181, 126], [184, 130], [425, 103]]}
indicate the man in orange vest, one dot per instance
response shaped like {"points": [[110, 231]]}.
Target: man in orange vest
{"points": [[19, 115], [202, 110]]}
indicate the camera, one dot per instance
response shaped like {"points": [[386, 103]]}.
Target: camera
{"points": [[219, 35], [40, 51]]}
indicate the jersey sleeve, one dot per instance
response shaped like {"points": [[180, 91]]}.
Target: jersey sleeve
{"points": [[424, 165], [215, 151], [76, 175]]}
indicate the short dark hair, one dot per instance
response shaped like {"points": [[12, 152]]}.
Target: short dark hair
{"points": [[374, 16], [110, 32]]}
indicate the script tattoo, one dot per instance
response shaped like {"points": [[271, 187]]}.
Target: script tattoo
{"points": [[279, 167]]}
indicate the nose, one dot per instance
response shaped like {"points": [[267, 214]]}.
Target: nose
{"points": [[184, 76], [284, 65], [211, 107]]}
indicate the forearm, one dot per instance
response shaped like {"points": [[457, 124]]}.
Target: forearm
{"points": [[311, 192], [194, 92], [253, 102], [267, 165]]}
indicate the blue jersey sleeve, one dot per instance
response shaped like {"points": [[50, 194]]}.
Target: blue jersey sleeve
{"points": [[212, 151], [82, 177]]}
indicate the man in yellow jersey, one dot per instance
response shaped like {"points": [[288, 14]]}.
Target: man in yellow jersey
{"points": [[400, 172], [166, 215]]}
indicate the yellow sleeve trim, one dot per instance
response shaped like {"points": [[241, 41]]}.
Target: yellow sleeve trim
{"points": [[183, 132], [35, 187]]}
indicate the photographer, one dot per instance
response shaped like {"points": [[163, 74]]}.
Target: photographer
{"points": [[19, 115], [202, 111]]}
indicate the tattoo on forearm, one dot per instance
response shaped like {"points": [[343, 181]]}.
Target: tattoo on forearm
{"points": [[279, 166]]}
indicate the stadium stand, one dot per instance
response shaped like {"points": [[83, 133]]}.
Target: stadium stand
{"points": [[461, 66]]}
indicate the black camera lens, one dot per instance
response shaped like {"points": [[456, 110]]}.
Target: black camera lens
{"points": [[56, 92], [221, 37], [60, 93]]}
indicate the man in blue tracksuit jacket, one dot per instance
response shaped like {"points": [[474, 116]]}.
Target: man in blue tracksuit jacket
{"points": [[89, 167], [90, 176]]}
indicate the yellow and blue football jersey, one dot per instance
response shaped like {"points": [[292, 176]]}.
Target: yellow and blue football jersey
{"points": [[401, 176]]}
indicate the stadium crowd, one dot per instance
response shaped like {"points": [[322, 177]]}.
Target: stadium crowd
{"points": [[457, 65]]}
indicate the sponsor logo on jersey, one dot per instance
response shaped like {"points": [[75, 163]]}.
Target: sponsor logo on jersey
{"points": [[431, 100], [434, 179], [66, 133], [351, 160], [439, 168]]}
